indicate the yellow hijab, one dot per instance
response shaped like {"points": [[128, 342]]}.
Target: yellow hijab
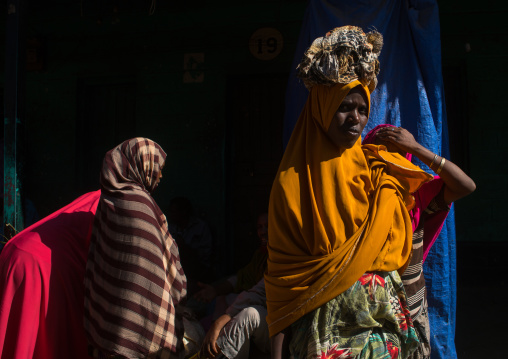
{"points": [[334, 214]]}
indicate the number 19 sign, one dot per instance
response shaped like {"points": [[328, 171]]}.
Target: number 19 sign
{"points": [[266, 43]]}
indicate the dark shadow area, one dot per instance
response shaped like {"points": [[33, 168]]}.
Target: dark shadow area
{"points": [[255, 109], [482, 289]]}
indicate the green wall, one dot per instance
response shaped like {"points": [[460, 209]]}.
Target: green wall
{"points": [[474, 42], [107, 48]]}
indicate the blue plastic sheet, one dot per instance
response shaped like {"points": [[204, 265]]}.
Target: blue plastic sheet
{"points": [[409, 94]]}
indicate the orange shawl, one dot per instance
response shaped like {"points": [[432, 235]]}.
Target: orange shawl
{"points": [[333, 214]]}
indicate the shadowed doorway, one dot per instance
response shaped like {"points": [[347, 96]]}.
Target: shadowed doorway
{"points": [[255, 110]]}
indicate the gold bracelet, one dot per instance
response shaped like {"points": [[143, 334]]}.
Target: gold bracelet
{"points": [[441, 165], [432, 163]]}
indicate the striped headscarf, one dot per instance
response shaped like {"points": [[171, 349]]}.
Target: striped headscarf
{"points": [[133, 279]]}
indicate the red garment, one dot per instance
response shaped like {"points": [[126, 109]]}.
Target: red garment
{"points": [[41, 285], [433, 222]]}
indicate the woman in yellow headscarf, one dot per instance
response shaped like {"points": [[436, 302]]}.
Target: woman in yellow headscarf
{"points": [[339, 226]]}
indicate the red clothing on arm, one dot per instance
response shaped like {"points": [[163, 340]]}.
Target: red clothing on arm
{"points": [[434, 222], [41, 285]]}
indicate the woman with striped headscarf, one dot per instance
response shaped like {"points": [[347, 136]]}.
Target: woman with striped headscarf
{"points": [[133, 279]]}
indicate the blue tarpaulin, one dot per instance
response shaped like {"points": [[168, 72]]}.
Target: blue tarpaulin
{"points": [[409, 94]]}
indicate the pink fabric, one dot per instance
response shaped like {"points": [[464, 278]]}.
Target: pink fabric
{"points": [[41, 285], [433, 222], [371, 137]]}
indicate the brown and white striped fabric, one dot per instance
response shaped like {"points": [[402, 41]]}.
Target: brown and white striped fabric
{"points": [[133, 279], [412, 278], [414, 282]]}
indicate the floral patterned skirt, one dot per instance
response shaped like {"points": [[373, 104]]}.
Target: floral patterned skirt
{"points": [[369, 320]]}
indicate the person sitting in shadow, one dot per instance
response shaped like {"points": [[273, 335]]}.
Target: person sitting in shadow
{"points": [[242, 331], [225, 290], [194, 240]]}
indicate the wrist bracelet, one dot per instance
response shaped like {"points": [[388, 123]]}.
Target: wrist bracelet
{"points": [[432, 163], [441, 165]]}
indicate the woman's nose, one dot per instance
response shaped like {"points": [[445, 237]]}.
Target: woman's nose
{"points": [[355, 116]]}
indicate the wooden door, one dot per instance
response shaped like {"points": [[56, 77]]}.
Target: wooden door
{"points": [[253, 151]]}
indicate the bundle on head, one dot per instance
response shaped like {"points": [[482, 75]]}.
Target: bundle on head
{"points": [[345, 54]]}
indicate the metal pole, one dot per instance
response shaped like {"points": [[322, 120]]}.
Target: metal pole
{"points": [[13, 96]]}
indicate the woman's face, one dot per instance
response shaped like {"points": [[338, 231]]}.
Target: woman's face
{"points": [[158, 180], [350, 119]]}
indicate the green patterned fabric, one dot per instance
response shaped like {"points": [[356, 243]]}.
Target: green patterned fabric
{"points": [[369, 320]]}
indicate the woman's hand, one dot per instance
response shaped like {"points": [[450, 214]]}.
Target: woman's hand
{"points": [[399, 137], [456, 183], [209, 348]]}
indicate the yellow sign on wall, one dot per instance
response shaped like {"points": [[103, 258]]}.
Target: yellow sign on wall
{"points": [[266, 43]]}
